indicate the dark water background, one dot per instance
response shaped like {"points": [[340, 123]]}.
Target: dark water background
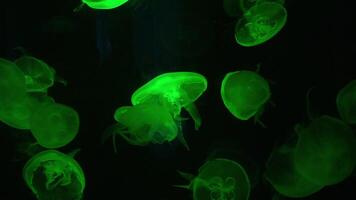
{"points": [[315, 48]]}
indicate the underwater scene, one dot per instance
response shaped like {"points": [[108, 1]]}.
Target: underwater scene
{"points": [[177, 100]]}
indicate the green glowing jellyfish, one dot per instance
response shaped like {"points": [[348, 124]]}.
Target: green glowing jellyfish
{"points": [[260, 23], [145, 123], [346, 103], [53, 175], [38, 75], [54, 125], [174, 91], [219, 179], [104, 4], [284, 178], [244, 94], [325, 151]]}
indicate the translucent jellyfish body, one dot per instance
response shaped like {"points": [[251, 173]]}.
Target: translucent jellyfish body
{"points": [[220, 179], [145, 123], [283, 176], [346, 103], [104, 4], [244, 94], [38, 75], [325, 151], [53, 175], [260, 23], [174, 91], [54, 125]]}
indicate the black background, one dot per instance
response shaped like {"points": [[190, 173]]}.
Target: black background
{"points": [[313, 49]]}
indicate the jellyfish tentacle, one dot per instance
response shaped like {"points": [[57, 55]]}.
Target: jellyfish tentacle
{"points": [[180, 136], [194, 113]]}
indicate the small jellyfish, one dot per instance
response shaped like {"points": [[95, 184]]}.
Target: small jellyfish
{"points": [[346, 103], [260, 23], [325, 151], [104, 4], [54, 125], [219, 179], [174, 91], [283, 176], [38, 75], [244, 94], [53, 175], [145, 123]]}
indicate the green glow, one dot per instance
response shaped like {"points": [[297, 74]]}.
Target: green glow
{"points": [[346, 103], [220, 179], [53, 175], [285, 179], [325, 151], [145, 123], [260, 23], [104, 4], [38, 75], [54, 125], [174, 91], [244, 93]]}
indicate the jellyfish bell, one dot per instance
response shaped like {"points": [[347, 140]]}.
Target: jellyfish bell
{"points": [[244, 94], [260, 23], [104, 4], [346, 103], [325, 141], [174, 91], [51, 174]]}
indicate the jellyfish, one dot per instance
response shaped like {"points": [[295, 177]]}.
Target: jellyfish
{"points": [[38, 75], [145, 123], [54, 125], [104, 4], [244, 94], [53, 175], [260, 23], [325, 151], [219, 179], [174, 91], [346, 103], [285, 179]]}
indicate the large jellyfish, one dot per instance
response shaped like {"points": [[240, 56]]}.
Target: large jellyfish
{"points": [[54, 125], [38, 75], [260, 23], [174, 91], [325, 151], [145, 123], [244, 94], [346, 103], [283, 176], [219, 179], [53, 175]]}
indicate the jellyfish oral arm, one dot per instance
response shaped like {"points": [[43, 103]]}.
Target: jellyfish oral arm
{"points": [[194, 113]]}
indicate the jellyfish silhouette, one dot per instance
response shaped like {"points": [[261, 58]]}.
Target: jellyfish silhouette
{"points": [[346, 103], [53, 175]]}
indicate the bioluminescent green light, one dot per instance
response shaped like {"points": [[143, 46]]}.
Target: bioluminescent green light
{"points": [[51, 174], [104, 4], [174, 91], [325, 151], [284, 178], [245, 93], [260, 23], [145, 123], [38, 75], [220, 179], [54, 125], [346, 103]]}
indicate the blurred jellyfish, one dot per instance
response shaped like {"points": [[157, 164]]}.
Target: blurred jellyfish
{"points": [[54, 125], [174, 91], [260, 23], [346, 103], [53, 175], [104, 4], [330, 143], [244, 94], [219, 179], [38, 75]]}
